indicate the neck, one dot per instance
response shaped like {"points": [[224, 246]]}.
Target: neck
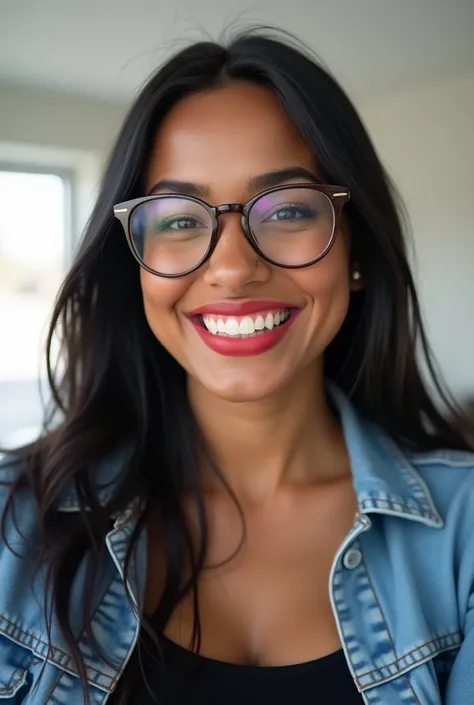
{"points": [[289, 438]]}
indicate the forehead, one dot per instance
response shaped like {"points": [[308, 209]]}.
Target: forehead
{"points": [[225, 136]]}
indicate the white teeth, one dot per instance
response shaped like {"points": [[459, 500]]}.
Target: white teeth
{"points": [[269, 322], [237, 327], [232, 327], [247, 326]]}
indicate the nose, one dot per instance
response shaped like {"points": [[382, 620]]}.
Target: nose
{"points": [[234, 264]]}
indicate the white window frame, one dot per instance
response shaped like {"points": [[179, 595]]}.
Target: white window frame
{"points": [[67, 177], [80, 171]]}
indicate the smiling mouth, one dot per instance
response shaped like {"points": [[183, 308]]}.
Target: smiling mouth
{"points": [[239, 327]]}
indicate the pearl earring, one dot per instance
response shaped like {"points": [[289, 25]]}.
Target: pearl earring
{"points": [[356, 275]]}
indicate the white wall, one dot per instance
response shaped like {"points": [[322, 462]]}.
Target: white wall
{"points": [[426, 140], [44, 128], [54, 119]]}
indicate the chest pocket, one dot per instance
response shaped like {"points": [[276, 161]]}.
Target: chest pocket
{"points": [[14, 674]]}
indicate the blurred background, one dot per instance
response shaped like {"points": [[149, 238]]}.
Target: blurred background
{"points": [[69, 71]]}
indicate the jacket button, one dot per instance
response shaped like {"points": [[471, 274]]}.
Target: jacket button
{"points": [[352, 558]]}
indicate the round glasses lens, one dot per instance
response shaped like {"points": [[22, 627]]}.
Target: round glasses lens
{"points": [[171, 234], [293, 226]]}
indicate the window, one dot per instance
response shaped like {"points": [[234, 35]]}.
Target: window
{"points": [[35, 217]]}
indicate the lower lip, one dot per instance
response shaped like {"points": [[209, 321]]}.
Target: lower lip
{"points": [[239, 347]]}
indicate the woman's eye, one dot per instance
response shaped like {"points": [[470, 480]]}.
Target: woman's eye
{"points": [[179, 223], [291, 213]]}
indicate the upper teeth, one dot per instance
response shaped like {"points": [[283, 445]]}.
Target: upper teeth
{"points": [[247, 325]]}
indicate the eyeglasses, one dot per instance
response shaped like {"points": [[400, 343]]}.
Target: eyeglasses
{"points": [[291, 226]]}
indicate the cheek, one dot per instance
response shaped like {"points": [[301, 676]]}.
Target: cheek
{"points": [[327, 286], [160, 297], [327, 281]]}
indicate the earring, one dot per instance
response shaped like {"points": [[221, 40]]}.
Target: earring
{"points": [[356, 275]]}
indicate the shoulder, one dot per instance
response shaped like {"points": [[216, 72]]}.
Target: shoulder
{"points": [[11, 465], [462, 460], [449, 477], [12, 468], [18, 514], [24, 634], [18, 545]]}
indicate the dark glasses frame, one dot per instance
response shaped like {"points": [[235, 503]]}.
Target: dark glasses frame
{"points": [[337, 195]]}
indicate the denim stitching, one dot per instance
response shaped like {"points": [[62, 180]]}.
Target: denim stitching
{"points": [[395, 504], [390, 677], [51, 658], [413, 651], [388, 632], [11, 685]]}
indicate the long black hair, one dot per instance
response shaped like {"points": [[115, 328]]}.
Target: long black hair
{"points": [[114, 381]]}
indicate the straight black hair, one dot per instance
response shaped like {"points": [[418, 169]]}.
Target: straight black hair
{"points": [[117, 382]]}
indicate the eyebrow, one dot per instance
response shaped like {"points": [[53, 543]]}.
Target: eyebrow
{"points": [[186, 187], [256, 183], [281, 176]]}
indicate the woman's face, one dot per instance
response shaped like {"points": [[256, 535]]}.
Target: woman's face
{"points": [[221, 141]]}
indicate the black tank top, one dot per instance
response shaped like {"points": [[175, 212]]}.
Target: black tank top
{"points": [[187, 679]]}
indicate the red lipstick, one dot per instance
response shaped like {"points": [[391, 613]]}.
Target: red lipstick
{"points": [[247, 345]]}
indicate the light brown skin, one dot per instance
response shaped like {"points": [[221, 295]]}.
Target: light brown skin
{"points": [[265, 418]]}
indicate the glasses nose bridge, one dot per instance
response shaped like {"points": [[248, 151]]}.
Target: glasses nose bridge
{"points": [[238, 208], [230, 208]]}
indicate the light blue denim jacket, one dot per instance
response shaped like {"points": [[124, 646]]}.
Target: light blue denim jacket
{"points": [[401, 585]]}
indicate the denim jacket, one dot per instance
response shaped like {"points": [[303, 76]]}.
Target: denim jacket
{"points": [[401, 585]]}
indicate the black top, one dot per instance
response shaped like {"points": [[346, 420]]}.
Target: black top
{"points": [[186, 679]]}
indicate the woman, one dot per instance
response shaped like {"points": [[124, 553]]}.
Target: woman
{"points": [[248, 491]]}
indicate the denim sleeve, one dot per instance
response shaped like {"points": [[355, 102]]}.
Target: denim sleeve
{"points": [[460, 688], [15, 677], [16, 662]]}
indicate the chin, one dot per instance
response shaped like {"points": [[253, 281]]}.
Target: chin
{"points": [[241, 388]]}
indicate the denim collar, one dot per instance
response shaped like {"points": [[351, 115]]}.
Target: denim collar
{"points": [[385, 479]]}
